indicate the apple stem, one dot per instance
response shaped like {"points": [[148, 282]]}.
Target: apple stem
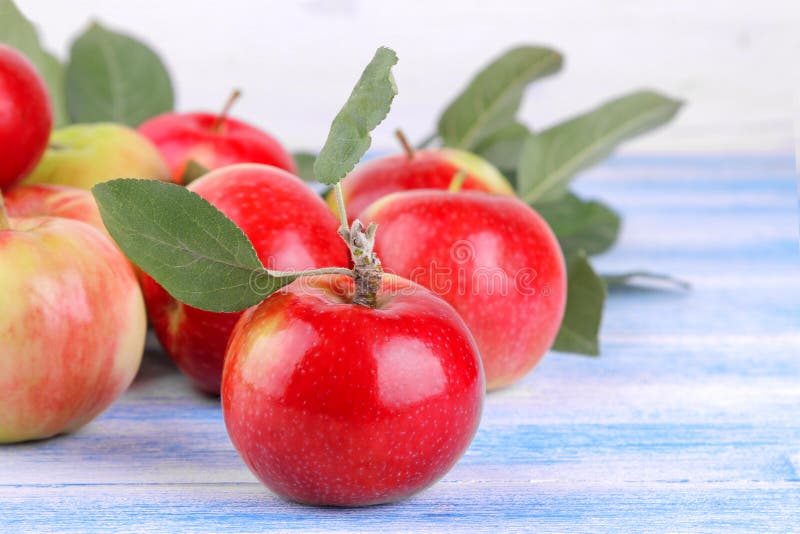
{"points": [[312, 272], [367, 271], [4, 224], [226, 109], [458, 181], [409, 150]]}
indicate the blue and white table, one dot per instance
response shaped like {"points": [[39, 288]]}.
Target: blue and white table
{"points": [[689, 421]]}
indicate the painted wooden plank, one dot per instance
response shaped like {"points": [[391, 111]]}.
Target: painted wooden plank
{"points": [[689, 421]]}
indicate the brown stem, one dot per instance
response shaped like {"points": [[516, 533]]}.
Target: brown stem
{"points": [[226, 109], [367, 270], [409, 150], [4, 224]]}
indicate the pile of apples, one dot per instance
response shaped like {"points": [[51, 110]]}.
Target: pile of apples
{"points": [[328, 401]]}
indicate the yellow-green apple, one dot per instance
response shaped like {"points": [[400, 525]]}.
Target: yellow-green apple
{"points": [[492, 257], [47, 200], [422, 169], [25, 116], [290, 228], [213, 141], [82, 155], [72, 326]]}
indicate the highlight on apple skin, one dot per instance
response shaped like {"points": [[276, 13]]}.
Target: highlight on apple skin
{"points": [[290, 228], [492, 257], [333, 403], [72, 326], [421, 169], [82, 155]]}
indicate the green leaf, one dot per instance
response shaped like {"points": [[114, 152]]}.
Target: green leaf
{"points": [[586, 293], [113, 77], [553, 157], [492, 98], [192, 171], [18, 32], [646, 280], [188, 246], [367, 106], [579, 224], [305, 165], [503, 148]]}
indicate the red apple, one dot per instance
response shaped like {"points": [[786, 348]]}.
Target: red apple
{"points": [[492, 257], [213, 141], [335, 403], [72, 326], [47, 200], [423, 169], [25, 117], [290, 228]]}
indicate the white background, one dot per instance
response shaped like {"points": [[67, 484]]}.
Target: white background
{"points": [[736, 63]]}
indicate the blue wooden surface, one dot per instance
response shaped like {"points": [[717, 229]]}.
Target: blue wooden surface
{"points": [[689, 421]]}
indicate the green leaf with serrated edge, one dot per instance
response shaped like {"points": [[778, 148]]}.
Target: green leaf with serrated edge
{"points": [[553, 157], [581, 224], [113, 77], [305, 165], [187, 245], [367, 106], [645, 280], [18, 32], [492, 98], [586, 293], [192, 171]]}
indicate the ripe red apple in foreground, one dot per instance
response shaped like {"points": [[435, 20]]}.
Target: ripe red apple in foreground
{"points": [[72, 326], [25, 117], [492, 257], [421, 169], [290, 228], [45, 200], [213, 141], [335, 403]]}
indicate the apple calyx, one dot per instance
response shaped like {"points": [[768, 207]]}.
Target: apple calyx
{"points": [[407, 148], [4, 224], [226, 109]]}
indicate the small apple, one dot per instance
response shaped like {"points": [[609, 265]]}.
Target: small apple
{"points": [[335, 403], [420, 169], [82, 155], [72, 326], [213, 141], [45, 200], [290, 228], [25, 117], [492, 257]]}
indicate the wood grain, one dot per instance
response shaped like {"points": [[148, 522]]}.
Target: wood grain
{"points": [[689, 421]]}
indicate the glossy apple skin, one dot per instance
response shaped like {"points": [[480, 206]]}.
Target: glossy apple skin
{"points": [[82, 155], [25, 117], [192, 136], [72, 326], [45, 200], [428, 169], [290, 228], [493, 258], [331, 403]]}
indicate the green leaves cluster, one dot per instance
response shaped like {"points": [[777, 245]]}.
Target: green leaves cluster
{"points": [[196, 252], [542, 164], [108, 76]]}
